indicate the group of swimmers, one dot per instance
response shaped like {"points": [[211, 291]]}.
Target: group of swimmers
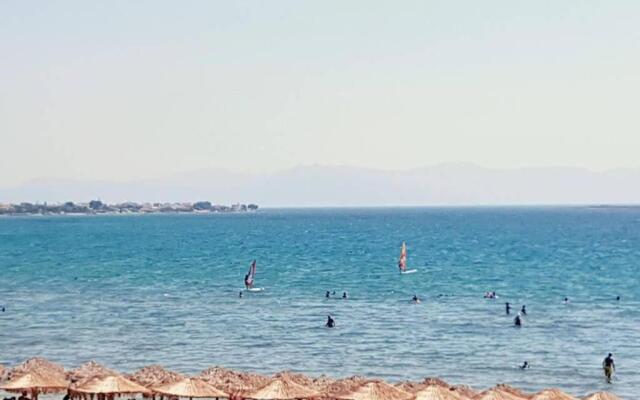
{"points": [[328, 295]]}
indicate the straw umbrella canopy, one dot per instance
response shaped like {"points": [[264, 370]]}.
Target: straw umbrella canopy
{"points": [[438, 392], [497, 394], [191, 388], [318, 383], [89, 371], [233, 381], [154, 375], [512, 390], [342, 385], [111, 385], [36, 383], [602, 396], [464, 391], [40, 366], [374, 390], [552, 394], [281, 389]]}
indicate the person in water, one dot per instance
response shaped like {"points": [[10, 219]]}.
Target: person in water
{"points": [[330, 322], [618, 298], [507, 308], [609, 367], [344, 295], [248, 283], [517, 320], [524, 310], [566, 300], [240, 294], [327, 294], [415, 299], [525, 365]]}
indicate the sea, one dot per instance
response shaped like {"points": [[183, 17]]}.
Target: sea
{"points": [[129, 291]]}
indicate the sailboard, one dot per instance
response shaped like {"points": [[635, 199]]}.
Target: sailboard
{"points": [[402, 262], [249, 279]]}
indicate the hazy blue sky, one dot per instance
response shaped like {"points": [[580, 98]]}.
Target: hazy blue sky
{"points": [[133, 89]]}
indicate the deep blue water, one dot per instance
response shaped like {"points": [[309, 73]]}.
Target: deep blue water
{"points": [[135, 290]]}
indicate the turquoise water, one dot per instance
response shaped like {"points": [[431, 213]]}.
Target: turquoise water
{"points": [[135, 290]]}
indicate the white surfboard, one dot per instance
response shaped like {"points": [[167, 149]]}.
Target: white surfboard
{"points": [[255, 289]]}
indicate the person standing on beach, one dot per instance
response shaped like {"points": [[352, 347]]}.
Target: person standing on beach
{"points": [[507, 308], [609, 367]]}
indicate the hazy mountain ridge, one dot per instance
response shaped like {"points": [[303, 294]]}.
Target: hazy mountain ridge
{"points": [[316, 185]]}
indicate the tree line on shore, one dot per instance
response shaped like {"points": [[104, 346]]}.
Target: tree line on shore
{"points": [[98, 207]]}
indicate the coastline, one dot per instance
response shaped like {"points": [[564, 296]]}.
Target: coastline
{"points": [[97, 207]]}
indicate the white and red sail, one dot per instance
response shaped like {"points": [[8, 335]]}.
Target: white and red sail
{"points": [[402, 262], [251, 274]]}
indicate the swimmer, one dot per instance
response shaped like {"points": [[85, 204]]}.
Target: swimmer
{"points": [[524, 310], [525, 365], [330, 322], [327, 294], [618, 298], [517, 321], [415, 299], [344, 295], [609, 367], [566, 300], [507, 308], [240, 294]]}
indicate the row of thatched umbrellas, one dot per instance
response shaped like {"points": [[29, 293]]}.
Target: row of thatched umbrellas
{"points": [[37, 376]]}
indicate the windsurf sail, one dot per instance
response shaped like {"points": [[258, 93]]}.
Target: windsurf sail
{"points": [[248, 280], [402, 262]]}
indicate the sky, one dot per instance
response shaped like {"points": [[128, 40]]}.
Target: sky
{"points": [[125, 90]]}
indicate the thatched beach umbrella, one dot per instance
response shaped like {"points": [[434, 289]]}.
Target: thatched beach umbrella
{"points": [[464, 391], [374, 390], [342, 386], [190, 388], [110, 386], [438, 392], [497, 394], [512, 390], [36, 383], [602, 396], [154, 375], [40, 366], [233, 381], [552, 394], [88, 371], [317, 384], [281, 389]]}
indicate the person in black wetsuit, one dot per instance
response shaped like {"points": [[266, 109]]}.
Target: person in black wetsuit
{"points": [[609, 367], [507, 308], [327, 294], [330, 322], [525, 365], [344, 295], [524, 310], [517, 320]]}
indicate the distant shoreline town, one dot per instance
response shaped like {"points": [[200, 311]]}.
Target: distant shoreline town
{"points": [[98, 207]]}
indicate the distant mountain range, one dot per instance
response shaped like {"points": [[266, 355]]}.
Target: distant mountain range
{"points": [[447, 184]]}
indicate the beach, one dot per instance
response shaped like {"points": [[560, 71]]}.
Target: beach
{"points": [[163, 289]]}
